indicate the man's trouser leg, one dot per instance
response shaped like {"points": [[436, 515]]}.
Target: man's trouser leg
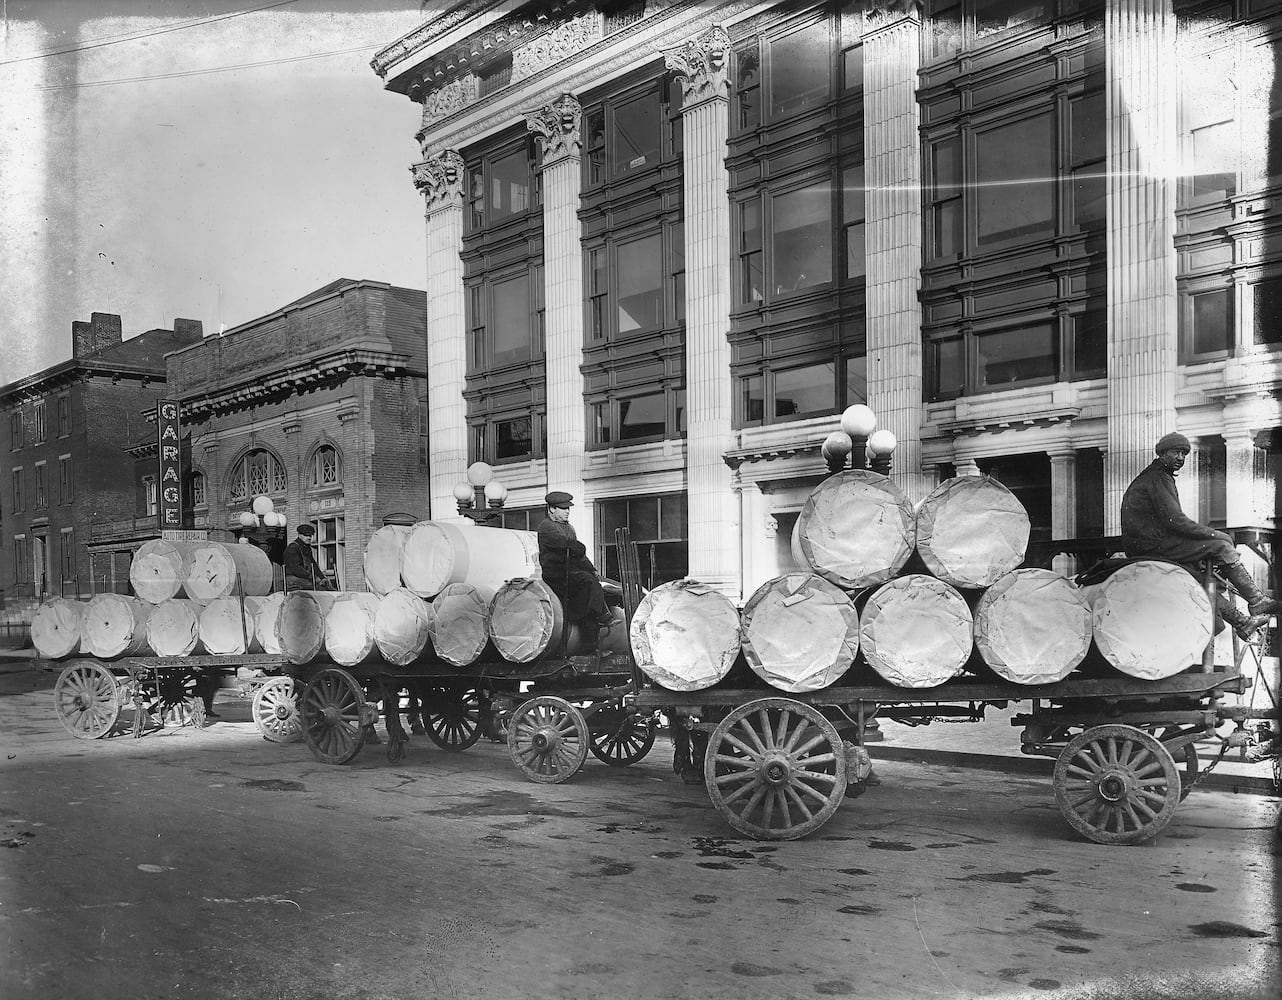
{"points": [[1257, 602]]}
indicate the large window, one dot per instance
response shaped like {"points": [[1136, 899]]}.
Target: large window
{"points": [[19, 492], [787, 236], [806, 386], [631, 132], [1014, 181], [15, 429], [258, 472], [39, 426], [330, 545], [1029, 478], [42, 497], [66, 492], [67, 560], [636, 284], [150, 497], [325, 469], [955, 25], [195, 495], [657, 525], [1267, 298], [503, 185], [510, 437], [796, 77], [634, 415], [64, 415], [506, 317]]}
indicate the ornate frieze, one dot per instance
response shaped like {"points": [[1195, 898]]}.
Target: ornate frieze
{"points": [[454, 96], [701, 64], [557, 45], [885, 12], [559, 128], [440, 179]]}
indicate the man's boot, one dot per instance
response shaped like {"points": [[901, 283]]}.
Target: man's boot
{"points": [[1256, 601], [1246, 626]]}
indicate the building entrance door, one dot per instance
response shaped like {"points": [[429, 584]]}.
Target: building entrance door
{"points": [[40, 566]]}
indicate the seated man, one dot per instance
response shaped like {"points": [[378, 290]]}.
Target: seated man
{"points": [[566, 566], [301, 569], [1153, 524]]}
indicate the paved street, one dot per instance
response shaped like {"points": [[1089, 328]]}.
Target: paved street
{"points": [[216, 864]]}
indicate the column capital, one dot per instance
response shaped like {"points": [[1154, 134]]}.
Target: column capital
{"points": [[883, 14], [559, 127], [440, 180], [702, 65]]}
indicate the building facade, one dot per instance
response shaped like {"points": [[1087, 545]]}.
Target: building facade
{"points": [[668, 243]]}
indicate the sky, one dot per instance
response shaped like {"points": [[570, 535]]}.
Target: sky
{"points": [[185, 163]]}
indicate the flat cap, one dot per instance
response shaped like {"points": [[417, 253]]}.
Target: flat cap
{"points": [[1173, 440], [557, 498], [306, 529]]}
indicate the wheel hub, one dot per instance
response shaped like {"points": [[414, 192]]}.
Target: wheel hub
{"points": [[545, 739], [1114, 786], [282, 712], [83, 702], [776, 768], [331, 715]]}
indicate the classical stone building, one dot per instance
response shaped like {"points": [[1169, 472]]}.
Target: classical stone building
{"points": [[668, 243]]}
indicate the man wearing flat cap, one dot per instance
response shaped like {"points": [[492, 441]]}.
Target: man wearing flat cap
{"points": [[566, 566], [301, 569], [1153, 524]]}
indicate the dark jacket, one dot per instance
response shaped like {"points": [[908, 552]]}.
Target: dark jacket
{"points": [[560, 550], [1154, 524], [301, 563]]}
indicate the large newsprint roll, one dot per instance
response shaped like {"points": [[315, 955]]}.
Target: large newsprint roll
{"points": [[526, 621], [800, 632], [856, 529], [300, 624], [156, 572], [1033, 626], [383, 558], [437, 553], [402, 627], [229, 627], [459, 635], [917, 631], [1151, 619], [349, 628], [265, 616], [115, 625], [212, 569], [55, 628], [173, 628], [971, 531], [686, 635]]}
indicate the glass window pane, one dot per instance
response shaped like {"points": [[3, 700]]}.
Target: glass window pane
{"points": [[672, 515], [801, 249], [852, 194], [1015, 355], [1089, 197], [856, 253], [642, 416], [509, 327], [513, 438], [1090, 341], [852, 68], [670, 562], [799, 65], [950, 367], [1087, 123], [753, 398], [599, 414], [614, 514], [805, 390], [1015, 175], [996, 15], [1268, 311], [634, 138], [1211, 321], [1215, 157], [643, 519], [509, 185], [856, 381], [640, 300]]}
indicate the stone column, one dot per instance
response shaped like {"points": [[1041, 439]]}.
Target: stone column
{"points": [[1141, 88], [558, 127], [1242, 509], [893, 177], [714, 553], [1063, 503], [440, 179]]}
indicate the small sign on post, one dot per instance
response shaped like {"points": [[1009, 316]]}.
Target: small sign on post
{"points": [[169, 455]]}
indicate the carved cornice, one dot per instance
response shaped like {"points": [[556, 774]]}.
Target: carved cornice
{"points": [[440, 180], [702, 64], [559, 128], [385, 58], [557, 45], [454, 96], [883, 13]]}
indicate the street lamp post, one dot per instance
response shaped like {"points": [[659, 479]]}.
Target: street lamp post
{"points": [[262, 520], [481, 497], [860, 441]]}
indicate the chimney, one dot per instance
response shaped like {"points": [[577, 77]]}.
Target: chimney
{"points": [[189, 329], [102, 330]]}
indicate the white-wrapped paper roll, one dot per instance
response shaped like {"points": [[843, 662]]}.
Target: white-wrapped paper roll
{"points": [[436, 553], [686, 635], [300, 624], [526, 621], [971, 531], [1151, 619], [402, 627], [265, 617], [383, 558], [856, 529], [156, 572], [212, 569], [115, 625], [1033, 626], [349, 628], [458, 630], [916, 631], [173, 628], [227, 630], [55, 628], [800, 632]]}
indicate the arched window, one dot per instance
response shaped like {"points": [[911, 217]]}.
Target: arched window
{"points": [[325, 467], [195, 490], [257, 473]]}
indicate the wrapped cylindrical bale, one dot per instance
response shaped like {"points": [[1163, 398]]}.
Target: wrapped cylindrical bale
{"points": [[212, 569], [115, 625], [800, 632], [402, 627], [156, 572], [300, 624], [1151, 619], [686, 635], [971, 531], [265, 617], [581, 641], [229, 627], [56, 628], [173, 628], [436, 554], [526, 621], [916, 631], [382, 559], [856, 529], [349, 628], [458, 630], [1033, 626]]}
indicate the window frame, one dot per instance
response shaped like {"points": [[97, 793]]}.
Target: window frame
{"points": [[67, 556], [478, 215], [64, 414], [40, 486], [17, 439], [601, 267], [66, 484], [276, 478], [602, 510], [39, 424], [19, 491], [315, 463], [604, 413], [480, 318]]}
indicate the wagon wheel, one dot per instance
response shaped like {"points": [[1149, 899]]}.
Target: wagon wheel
{"points": [[547, 739], [335, 716], [275, 710], [452, 716], [775, 768], [87, 700], [1192, 765], [1116, 784], [625, 743]]}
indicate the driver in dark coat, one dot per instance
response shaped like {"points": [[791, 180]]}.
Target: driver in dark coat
{"points": [[1154, 524], [566, 566]]}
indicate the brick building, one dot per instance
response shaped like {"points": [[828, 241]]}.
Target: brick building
{"points": [[67, 472], [668, 243]]}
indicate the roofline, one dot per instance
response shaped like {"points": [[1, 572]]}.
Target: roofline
{"points": [[66, 371], [464, 19]]}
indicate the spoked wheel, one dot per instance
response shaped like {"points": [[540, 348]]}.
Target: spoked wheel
{"points": [[275, 710], [452, 716], [624, 740], [335, 715], [87, 700], [547, 739], [1116, 785], [776, 769], [1192, 766]]}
